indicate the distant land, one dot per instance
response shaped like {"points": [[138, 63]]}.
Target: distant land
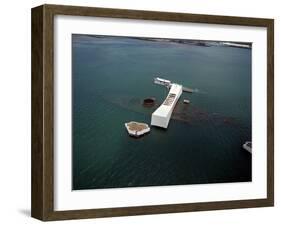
{"points": [[206, 43]]}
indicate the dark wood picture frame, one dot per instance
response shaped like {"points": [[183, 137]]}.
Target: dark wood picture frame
{"points": [[42, 203]]}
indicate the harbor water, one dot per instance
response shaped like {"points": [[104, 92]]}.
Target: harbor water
{"points": [[203, 143]]}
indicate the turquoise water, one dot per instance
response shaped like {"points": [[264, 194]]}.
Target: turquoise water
{"points": [[112, 75]]}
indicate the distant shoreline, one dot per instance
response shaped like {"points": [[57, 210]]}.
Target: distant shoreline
{"points": [[203, 43]]}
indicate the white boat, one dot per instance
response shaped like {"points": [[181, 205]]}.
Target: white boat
{"points": [[248, 146], [186, 101]]}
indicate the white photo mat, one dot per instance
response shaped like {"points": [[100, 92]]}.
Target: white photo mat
{"points": [[67, 199]]}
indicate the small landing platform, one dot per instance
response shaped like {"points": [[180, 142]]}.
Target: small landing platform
{"points": [[137, 129]]}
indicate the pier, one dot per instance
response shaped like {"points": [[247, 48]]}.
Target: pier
{"points": [[168, 84]]}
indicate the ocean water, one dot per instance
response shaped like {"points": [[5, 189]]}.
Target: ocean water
{"points": [[203, 143]]}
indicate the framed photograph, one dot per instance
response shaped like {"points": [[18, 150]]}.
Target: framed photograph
{"points": [[142, 112]]}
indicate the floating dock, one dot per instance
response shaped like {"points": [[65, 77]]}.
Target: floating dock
{"points": [[162, 115], [188, 90]]}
